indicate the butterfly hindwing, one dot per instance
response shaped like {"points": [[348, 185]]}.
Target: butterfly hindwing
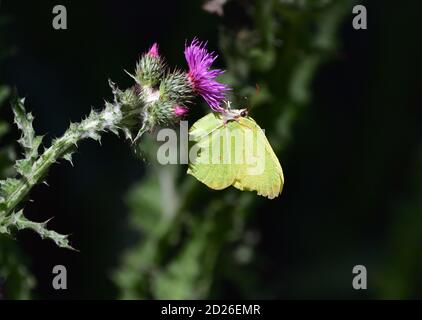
{"points": [[265, 175]]}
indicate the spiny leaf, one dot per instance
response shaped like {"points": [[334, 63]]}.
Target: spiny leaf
{"points": [[23, 120], [8, 186], [24, 167], [128, 134], [18, 221], [68, 157]]}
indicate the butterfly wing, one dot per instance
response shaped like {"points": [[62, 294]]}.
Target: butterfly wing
{"points": [[209, 166], [264, 173], [205, 126], [257, 168]]}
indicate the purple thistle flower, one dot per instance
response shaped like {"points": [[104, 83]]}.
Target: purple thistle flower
{"points": [[153, 51], [202, 77]]}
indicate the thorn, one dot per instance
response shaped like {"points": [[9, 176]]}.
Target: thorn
{"points": [[47, 221], [73, 249], [132, 76]]}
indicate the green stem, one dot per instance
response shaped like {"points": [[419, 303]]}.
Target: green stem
{"points": [[91, 127]]}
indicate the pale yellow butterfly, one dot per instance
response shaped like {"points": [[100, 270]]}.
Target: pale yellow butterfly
{"points": [[232, 150]]}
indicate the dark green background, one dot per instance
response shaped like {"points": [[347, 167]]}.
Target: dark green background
{"points": [[353, 170]]}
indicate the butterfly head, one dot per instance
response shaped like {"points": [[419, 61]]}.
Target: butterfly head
{"points": [[244, 112], [234, 114]]}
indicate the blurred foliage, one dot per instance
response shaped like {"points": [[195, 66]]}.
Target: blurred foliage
{"points": [[405, 244], [191, 237], [16, 281]]}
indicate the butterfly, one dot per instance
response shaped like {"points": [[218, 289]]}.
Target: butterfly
{"points": [[230, 149]]}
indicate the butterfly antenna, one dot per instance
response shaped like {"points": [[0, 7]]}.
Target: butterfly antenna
{"points": [[248, 107], [228, 104], [257, 92], [258, 89]]}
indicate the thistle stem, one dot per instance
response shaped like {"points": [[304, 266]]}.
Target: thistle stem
{"points": [[91, 127]]}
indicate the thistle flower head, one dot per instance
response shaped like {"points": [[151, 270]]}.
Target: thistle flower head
{"points": [[153, 51], [150, 68], [202, 77], [180, 111]]}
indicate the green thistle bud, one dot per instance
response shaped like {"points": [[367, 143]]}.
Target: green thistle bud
{"points": [[175, 86], [150, 68], [162, 113]]}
